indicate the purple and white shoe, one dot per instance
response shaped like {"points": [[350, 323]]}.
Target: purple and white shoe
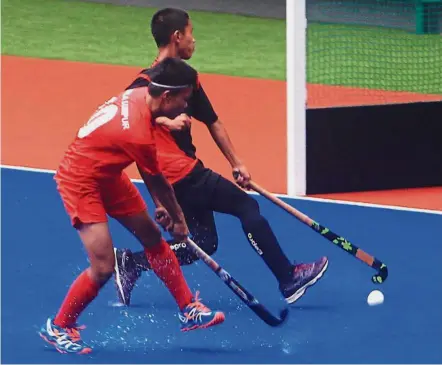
{"points": [[304, 276]]}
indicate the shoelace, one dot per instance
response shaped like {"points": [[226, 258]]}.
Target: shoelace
{"points": [[196, 307], [74, 332]]}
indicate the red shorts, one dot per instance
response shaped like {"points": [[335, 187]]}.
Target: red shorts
{"points": [[90, 203]]}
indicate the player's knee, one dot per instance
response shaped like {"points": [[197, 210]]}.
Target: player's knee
{"points": [[248, 209], [209, 244], [252, 204], [103, 269]]}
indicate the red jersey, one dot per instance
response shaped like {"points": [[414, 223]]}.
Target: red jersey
{"points": [[119, 133]]}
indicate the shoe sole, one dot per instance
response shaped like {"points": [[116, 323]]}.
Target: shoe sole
{"points": [[301, 291], [218, 319], [118, 278]]}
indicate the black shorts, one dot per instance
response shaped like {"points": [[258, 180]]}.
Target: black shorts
{"points": [[203, 192], [194, 193], [196, 189]]}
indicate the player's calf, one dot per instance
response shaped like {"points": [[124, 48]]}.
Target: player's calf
{"points": [[102, 271]]}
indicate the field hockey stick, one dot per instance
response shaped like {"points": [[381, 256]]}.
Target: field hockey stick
{"points": [[261, 311], [339, 241]]}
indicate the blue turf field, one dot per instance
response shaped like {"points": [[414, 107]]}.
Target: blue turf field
{"points": [[41, 255]]}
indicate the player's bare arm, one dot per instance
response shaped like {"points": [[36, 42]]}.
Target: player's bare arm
{"points": [[181, 122], [219, 134], [163, 195], [162, 216], [221, 138]]}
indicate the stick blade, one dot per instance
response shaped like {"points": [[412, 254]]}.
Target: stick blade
{"points": [[269, 318], [381, 276]]}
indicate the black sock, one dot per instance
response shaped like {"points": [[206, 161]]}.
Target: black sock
{"points": [[265, 243]]}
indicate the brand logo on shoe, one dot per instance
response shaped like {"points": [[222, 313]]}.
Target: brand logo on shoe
{"points": [[254, 243]]}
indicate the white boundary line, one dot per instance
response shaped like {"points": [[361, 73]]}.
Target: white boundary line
{"points": [[284, 196]]}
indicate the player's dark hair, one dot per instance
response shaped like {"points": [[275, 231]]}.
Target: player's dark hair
{"points": [[165, 22], [171, 74]]}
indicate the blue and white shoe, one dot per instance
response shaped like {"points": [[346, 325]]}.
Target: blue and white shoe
{"points": [[197, 315], [304, 276], [65, 340]]}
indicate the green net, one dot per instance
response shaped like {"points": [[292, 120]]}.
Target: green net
{"points": [[373, 46]]}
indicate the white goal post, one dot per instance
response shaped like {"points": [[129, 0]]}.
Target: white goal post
{"points": [[296, 96]]}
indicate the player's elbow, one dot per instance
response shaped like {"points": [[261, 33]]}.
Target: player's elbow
{"points": [[216, 125]]}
